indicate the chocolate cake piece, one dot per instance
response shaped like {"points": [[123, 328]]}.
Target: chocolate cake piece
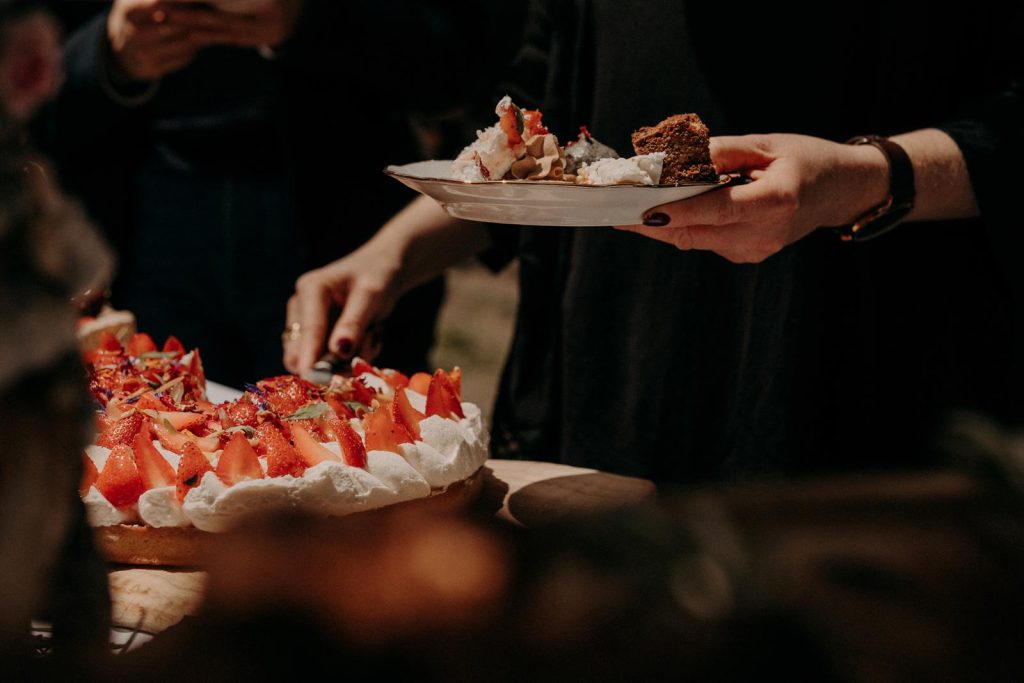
{"points": [[684, 140]]}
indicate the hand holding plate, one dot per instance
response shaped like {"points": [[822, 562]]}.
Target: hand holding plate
{"points": [[799, 183]]}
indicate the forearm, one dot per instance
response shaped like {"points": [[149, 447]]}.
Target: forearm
{"points": [[941, 180], [428, 241]]}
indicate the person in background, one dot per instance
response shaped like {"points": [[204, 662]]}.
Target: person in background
{"points": [[670, 362], [214, 143], [48, 254]]}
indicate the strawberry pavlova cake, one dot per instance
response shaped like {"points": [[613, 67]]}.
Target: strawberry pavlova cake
{"points": [[169, 468]]}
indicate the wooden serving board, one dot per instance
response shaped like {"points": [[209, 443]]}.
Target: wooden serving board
{"points": [[529, 494]]}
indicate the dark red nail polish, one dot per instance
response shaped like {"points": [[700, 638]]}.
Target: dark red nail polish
{"points": [[344, 347], [656, 220]]}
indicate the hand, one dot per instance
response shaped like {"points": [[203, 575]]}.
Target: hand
{"points": [[364, 285], [265, 24], [800, 183], [144, 43]]}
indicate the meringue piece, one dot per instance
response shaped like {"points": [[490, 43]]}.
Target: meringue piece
{"points": [[450, 450], [100, 511], [584, 150], [639, 170], [159, 507]]}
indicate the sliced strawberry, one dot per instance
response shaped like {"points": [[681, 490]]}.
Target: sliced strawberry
{"points": [[195, 369], [360, 366], [532, 123], [342, 411], [362, 392], [205, 407], [149, 401], [108, 342], [404, 414], [309, 448], [441, 397], [383, 433], [174, 345], [420, 383], [153, 467], [352, 448], [122, 431], [179, 420], [238, 461], [173, 440], [396, 379], [288, 393], [282, 458], [139, 344], [314, 427], [242, 413], [89, 474], [103, 422], [120, 481], [191, 468], [455, 377], [511, 127]]}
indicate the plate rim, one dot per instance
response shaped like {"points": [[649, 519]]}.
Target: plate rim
{"points": [[389, 170]]}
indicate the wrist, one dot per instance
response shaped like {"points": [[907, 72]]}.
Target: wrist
{"points": [[868, 170], [900, 196], [121, 86]]}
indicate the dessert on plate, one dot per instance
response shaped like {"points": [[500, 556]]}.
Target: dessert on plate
{"points": [[683, 139], [520, 147], [169, 468]]}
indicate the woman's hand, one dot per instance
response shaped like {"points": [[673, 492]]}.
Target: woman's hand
{"points": [[144, 43], [150, 39], [364, 286], [415, 246], [800, 183], [266, 24]]}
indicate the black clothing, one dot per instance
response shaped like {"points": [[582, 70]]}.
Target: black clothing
{"points": [[234, 178], [635, 357]]}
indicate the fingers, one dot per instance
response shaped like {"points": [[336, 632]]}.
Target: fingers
{"points": [[311, 308], [361, 307], [291, 349], [739, 153]]}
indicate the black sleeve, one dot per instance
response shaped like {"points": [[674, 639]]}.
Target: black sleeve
{"points": [[992, 142], [990, 134], [88, 114]]}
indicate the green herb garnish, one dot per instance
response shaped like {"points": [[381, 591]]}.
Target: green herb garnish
{"points": [[310, 412]]}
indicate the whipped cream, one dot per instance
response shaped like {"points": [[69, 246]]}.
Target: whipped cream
{"points": [[644, 169], [159, 507], [100, 511], [490, 156], [450, 450]]}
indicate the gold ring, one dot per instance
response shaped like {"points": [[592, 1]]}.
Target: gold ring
{"points": [[291, 333]]}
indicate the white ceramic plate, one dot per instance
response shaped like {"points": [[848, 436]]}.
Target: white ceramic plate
{"points": [[530, 202]]}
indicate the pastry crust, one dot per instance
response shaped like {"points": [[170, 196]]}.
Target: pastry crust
{"points": [[138, 544]]}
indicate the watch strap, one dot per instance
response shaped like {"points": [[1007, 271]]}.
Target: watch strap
{"points": [[882, 218]]}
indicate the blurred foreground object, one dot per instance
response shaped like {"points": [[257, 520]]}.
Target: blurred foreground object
{"points": [[48, 253], [894, 578]]}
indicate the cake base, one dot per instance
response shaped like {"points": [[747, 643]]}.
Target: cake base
{"points": [[137, 544]]}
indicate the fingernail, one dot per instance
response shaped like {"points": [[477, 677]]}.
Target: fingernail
{"points": [[344, 347], [656, 220]]}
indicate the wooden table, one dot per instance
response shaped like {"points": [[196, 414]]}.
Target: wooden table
{"points": [[528, 493]]}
